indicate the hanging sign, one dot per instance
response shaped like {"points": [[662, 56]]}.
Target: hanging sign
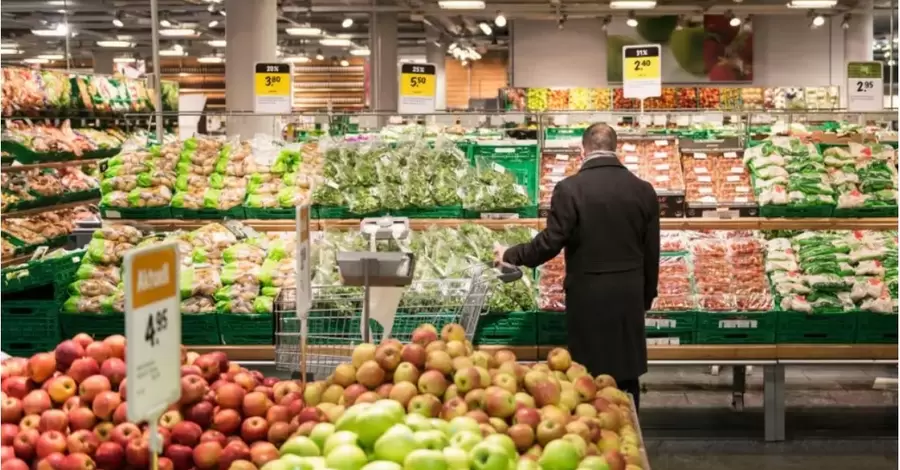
{"points": [[304, 286], [641, 71], [418, 83], [865, 86], [272, 88], [153, 330]]}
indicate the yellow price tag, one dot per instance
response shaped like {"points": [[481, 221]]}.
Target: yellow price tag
{"points": [[272, 80], [417, 80], [641, 63]]}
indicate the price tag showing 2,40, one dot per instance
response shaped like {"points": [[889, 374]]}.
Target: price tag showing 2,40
{"points": [[153, 330], [641, 71]]}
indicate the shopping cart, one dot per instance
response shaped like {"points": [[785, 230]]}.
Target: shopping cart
{"points": [[339, 318]]}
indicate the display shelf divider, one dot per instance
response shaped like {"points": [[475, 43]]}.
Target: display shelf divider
{"points": [[54, 207]]}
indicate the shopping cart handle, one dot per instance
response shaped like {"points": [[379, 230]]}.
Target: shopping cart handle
{"points": [[509, 273]]}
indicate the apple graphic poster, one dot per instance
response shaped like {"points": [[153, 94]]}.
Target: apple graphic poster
{"points": [[703, 49]]}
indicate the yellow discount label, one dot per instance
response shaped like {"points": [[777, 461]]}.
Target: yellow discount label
{"points": [[417, 80], [641, 63], [272, 79]]}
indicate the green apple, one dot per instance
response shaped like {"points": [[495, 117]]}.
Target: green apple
{"points": [[594, 462], [463, 423], [320, 433], [457, 459], [417, 422], [527, 464], [295, 462], [505, 442], [440, 425], [300, 445], [382, 465], [374, 422], [395, 444], [465, 440], [393, 407], [560, 455], [347, 421], [338, 439], [434, 439], [425, 459], [579, 442], [488, 456], [346, 457]]}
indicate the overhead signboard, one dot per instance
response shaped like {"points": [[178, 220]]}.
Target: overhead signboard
{"points": [[153, 330], [641, 71], [865, 86], [272, 87], [418, 83]]}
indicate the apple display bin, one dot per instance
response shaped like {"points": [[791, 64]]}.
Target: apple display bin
{"points": [[29, 326], [200, 329], [97, 325], [876, 328]]}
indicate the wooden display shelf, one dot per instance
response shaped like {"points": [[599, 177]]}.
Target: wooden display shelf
{"points": [[54, 207], [837, 351], [887, 223], [267, 353]]}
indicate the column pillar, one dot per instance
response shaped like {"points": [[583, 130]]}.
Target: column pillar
{"points": [[383, 33], [858, 38], [103, 62], [434, 54], [252, 35]]}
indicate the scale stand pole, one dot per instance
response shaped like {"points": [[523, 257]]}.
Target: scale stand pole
{"points": [[366, 298]]}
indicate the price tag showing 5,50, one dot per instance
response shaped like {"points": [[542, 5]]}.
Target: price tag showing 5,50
{"points": [[153, 330]]}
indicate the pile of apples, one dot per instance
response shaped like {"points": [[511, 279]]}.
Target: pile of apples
{"points": [[66, 409]]}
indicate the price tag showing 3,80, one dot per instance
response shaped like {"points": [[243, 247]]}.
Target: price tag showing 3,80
{"points": [[153, 330]]}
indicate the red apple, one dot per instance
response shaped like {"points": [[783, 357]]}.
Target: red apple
{"points": [[209, 366], [246, 380], [109, 456], [262, 453], [72, 403], [193, 388], [169, 419], [227, 421], [124, 433], [207, 454], [254, 429], [50, 442], [121, 413], [41, 367], [17, 386], [81, 418], [36, 402], [15, 464], [93, 386], [284, 388], [116, 345], [8, 432], [7, 453], [186, 433], [233, 451], [137, 453], [54, 420], [230, 395], [182, 456], [98, 351], [256, 404], [51, 462], [200, 413], [82, 368], [103, 431], [83, 441], [211, 435], [30, 422], [105, 404], [25, 442], [83, 339], [279, 432], [114, 370], [12, 411]]}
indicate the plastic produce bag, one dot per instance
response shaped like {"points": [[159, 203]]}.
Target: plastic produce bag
{"points": [[240, 272], [106, 252], [200, 280], [118, 234], [237, 291], [92, 288], [278, 273], [108, 273], [244, 252], [80, 304], [198, 304]]}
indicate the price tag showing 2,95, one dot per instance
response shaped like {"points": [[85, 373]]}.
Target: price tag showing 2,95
{"points": [[153, 330]]}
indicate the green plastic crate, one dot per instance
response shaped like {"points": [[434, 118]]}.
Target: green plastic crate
{"points": [[29, 320], [663, 322], [816, 328], [876, 328], [23, 277], [209, 214], [25, 348], [512, 329], [246, 329], [98, 326], [137, 213], [331, 212], [272, 213], [669, 338], [552, 328], [859, 212], [792, 211], [560, 133], [80, 195], [451, 212], [200, 329], [40, 201], [523, 161], [529, 212], [736, 327]]}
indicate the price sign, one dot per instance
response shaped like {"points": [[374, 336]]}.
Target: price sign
{"points": [[865, 86], [418, 83], [272, 88], [304, 289], [153, 330], [642, 71]]}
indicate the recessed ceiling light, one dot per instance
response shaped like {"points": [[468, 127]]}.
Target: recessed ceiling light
{"points": [[485, 28], [335, 42], [302, 59], [632, 4], [119, 44], [60, 30], [216, 43], [212, 59], [177, 32], [348, 22], [500, 20], [812, 4], [9, 51], [303, 31], [212, 23], [117, 20], [361, 52], [461, 4], [51, 56], [36, 60]]}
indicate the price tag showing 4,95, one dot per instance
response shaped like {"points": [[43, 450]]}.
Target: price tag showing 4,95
{"points": [[153, 330]]}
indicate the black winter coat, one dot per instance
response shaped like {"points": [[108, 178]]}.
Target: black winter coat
{"points": [[607, 220]]}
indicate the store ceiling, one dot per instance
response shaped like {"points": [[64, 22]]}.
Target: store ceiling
{"points": [[419, 20]]}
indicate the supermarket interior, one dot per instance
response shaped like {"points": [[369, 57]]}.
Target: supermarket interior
{"points": [[318, 237]]}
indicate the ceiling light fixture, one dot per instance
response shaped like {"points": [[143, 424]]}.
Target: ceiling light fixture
{"points": [[734, 21], [211, 59], [361, 52], [9, 51], [178, 32], [165, 22], [485, 28], [817, 20], [124, 60], [211, 8], [212, 23], [632, 4], [117, 20], [319, 55], [173, 52], [112, 43], [812, 3], [632, 20], [296, 59], [344, 62], [500, 20], [51, 56], [217, 43], [348, 22], [60, 30], [335, 42], [36, 60], [845, 24], [461, 4], [177, 47], [303, 31], [223, 12]]}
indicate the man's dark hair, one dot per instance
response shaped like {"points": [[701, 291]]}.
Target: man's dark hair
{"points": [[599, 136]]}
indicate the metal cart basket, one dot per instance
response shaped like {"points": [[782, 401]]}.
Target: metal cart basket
{"points": [[334, 323]]}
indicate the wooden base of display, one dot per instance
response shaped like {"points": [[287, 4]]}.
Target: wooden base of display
{"points": [[723, 353]]}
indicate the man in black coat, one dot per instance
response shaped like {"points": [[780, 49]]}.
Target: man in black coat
{"points": [[607, 220]]}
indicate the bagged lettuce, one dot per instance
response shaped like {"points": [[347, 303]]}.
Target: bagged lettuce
{"points": [[109, 273], [202, 280], [81, 304], [244, 252]]}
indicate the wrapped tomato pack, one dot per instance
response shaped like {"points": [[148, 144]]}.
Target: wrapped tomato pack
{"points": [[555, 166], [655, 161], [551, 296]]}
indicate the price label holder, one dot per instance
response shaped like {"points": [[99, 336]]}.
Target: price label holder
{"points": [[641, 71], [865, 86], [272, 87], [418, 83]]}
